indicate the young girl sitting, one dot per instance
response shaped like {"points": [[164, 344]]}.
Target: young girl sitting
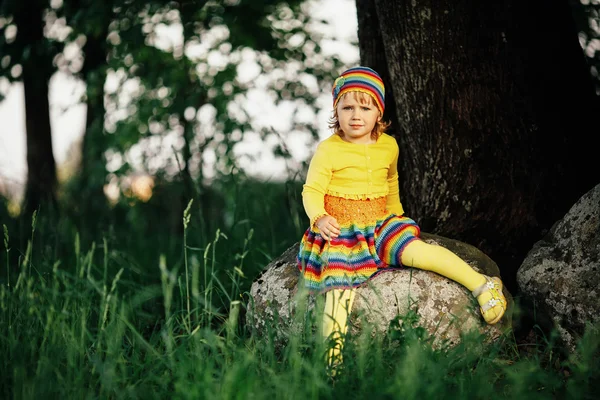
{"points": [[357, 224]]}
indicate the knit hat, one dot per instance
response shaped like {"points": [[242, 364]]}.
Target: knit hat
{"points": [[360, 79]]}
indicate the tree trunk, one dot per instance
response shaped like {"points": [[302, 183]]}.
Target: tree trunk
{"points": [[37, 67], [186, 152], [372, 55], [93, 163], [493, 127]]}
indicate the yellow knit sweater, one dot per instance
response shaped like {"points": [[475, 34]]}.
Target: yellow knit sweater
{"points": [[352, 171]]}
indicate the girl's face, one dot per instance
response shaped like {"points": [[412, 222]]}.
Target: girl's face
{"points": [[357, 115]]}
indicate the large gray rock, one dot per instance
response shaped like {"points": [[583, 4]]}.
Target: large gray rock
{"points": [[560, 274], [445, 308]]}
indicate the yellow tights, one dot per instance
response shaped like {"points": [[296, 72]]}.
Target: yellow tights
{"points": [[338, 304], [438, 259], [417, 254]]}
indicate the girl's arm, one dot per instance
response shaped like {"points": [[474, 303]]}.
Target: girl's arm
{"points": [[393, 198], [317, 180]]}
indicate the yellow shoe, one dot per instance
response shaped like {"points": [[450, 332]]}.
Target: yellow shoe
{"points": [[492, 299]]}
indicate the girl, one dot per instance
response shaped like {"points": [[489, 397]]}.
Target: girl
{"points": [[357, 224]]}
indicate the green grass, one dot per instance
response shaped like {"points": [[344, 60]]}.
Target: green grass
{"points": [[132, 311]]}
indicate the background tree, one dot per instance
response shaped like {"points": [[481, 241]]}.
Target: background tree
{"points": [[587, 19], [493, 136], [27, 57], [196, 74], [180, 105], [90, 22]]}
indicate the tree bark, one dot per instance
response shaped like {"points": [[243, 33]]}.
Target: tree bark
{"points": [[93, 163], [37, 68], [494, 105], [372, 55]]}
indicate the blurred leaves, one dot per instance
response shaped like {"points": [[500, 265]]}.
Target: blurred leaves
{"points": [[587, 16], [199, 69], [180, 78]]}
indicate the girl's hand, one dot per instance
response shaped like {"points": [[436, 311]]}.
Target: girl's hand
{"points": [[329, 227]]}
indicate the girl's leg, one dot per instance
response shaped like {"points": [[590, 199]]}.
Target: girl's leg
{"points": [[338, 305], [438, 259]]}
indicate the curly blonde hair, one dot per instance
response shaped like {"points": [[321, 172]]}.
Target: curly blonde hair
{"points": [[363, 98]]}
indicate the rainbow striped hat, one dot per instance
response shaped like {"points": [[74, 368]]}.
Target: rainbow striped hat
{"points": [[360, 79]]}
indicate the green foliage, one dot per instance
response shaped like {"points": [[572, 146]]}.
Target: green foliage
{"points": [[15, 46], [157, 88], [587, 18], [141, 310], [199, 71]]}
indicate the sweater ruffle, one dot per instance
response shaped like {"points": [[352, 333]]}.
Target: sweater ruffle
{"points": [[316, 217], [359, 196]]}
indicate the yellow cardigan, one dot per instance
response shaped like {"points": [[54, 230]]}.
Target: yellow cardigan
{"points": [[352, 171]]}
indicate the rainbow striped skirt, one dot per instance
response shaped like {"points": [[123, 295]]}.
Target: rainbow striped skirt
{"points": [[371, 241]]}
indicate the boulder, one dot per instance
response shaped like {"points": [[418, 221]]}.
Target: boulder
{"points": [[561, 274], [445, 308]]}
